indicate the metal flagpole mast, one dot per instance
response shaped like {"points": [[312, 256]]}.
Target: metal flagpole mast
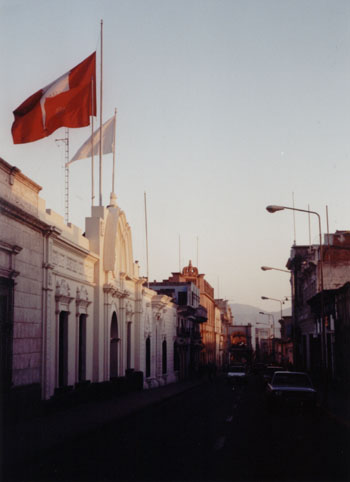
{"points": [[115, 130], [66, 176], [179, 254], [308, 207], [66, 173], [92, 144], [146, 241], [295, 236], [101, 90]]}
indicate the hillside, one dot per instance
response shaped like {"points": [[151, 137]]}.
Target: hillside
{"points": [[244, 314]]}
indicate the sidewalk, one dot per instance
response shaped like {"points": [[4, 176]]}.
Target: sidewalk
{"points": [[31, 437], [337, 406]]}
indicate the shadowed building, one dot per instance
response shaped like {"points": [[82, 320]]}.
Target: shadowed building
{"points": [[190, 274], [313, 309], [190, 315]]}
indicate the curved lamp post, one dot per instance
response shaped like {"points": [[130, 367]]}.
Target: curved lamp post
{"points": [[274, 208], [268, 268], [274, 299], [268, 323], [273, 320], [273, 336]]}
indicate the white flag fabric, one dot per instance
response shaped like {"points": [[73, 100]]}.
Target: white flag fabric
{"points": [[108, 138]]}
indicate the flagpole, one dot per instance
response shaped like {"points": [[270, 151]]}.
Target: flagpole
{"points": [[115, 130], [66, 175], [92, 143], [146, 240], [101, 90]]}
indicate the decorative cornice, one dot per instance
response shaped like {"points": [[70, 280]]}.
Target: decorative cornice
{"points": [[9, 273], [73, 278], [64, 299], [52, 231], [76, 249], [12, 248], [115, 292], [14, 172], [15, 212], [82, 304], [159, 302]]}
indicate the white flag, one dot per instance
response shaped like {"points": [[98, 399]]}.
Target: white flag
{"points": [[108, 138]]}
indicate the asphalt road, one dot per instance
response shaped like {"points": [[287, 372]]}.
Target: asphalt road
{"points": [[212, 432]]}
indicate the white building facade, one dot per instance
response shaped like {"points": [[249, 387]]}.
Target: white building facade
{"points": [[73, 306]]}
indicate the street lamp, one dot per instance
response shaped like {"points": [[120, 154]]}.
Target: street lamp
{"points": [[267, 268], [273, 320], [274, 299], [273, 340], [274, 208]]}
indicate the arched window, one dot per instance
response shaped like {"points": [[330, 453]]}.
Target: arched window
{"points": [[113, 356], [148, 357], [164, 357]]}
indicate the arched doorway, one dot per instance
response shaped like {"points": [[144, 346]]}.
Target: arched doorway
{"points": [[148, 357], [113, 354], [164, 357]]}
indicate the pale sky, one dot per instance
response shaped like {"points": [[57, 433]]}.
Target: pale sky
{"points": [[224, 107]]}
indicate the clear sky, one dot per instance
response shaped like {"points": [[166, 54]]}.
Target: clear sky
{"points": [[224, 107]]}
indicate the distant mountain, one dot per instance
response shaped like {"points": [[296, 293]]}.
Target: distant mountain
{"points": [[244, 314]]}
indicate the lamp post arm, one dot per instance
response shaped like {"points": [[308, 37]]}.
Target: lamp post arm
{"points": [[320, 235]]}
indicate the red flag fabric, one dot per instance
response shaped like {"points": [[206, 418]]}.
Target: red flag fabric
{"points": [[66, 102]]}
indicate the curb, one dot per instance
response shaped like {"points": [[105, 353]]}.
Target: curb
{"points": [[48, 444], [337, 418]]}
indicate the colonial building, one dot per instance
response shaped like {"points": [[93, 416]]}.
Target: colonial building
{"points": [[190, 315], [285, 343], [73, 306], [226, 322], [341, 354], [190, 273], [315, 282]]}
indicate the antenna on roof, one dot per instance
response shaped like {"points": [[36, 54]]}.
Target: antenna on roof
{"points": [[295, 241], [179, 254], [65, 140], [308, 207]]}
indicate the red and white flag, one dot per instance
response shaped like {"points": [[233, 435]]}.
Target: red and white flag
{"points": [[69, 101]]}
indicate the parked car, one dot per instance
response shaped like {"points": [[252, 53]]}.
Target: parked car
{"points": [[237, 374], [269, 372], [291, 389]]}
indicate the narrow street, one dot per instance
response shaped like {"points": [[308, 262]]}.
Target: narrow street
{"points": [[212, 432]]}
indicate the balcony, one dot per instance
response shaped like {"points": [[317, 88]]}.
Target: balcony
{"points": [[183, 332], [201, 314]]}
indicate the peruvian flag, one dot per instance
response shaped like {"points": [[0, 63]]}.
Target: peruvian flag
{"points": [[66, 102]]}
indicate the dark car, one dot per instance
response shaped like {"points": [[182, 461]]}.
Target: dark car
{"points": [[237, 374], [269, 371], [291, 389]]}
